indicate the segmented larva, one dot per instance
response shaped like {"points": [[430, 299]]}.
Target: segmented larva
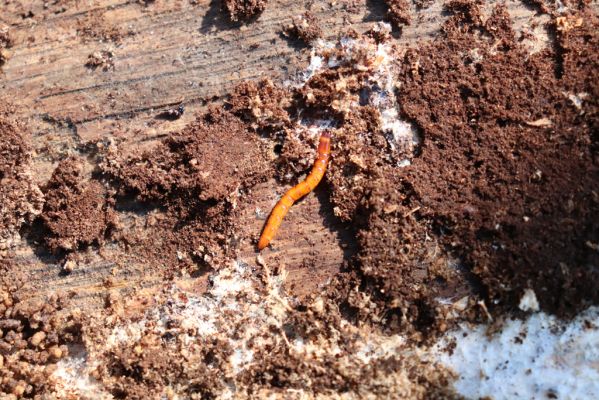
{"points": [[297, 192]]}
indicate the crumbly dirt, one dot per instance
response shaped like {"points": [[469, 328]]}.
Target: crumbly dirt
{"points": [[305, 28], [77, 212], [34, 334], [100, 59], [244, 10], [262, 104], [507, 178], [20, 199], [196, 176], [398, 12]]}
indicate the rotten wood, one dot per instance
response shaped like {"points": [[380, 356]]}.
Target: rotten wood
{"points": [[164, 54]]}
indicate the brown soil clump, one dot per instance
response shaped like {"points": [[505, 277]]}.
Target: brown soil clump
{"points": [[196, 176], [305, 28], [5, 42], [77, 212], [263, 104], [34, 334], [94, 27], [20, 199], [399, 12], [100, 59], [209, 161], [244, 10]]}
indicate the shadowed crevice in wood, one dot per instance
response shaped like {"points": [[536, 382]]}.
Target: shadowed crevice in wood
{"points": [[344, 231]]}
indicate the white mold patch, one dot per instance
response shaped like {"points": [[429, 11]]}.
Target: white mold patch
{"points": [[72, 380], [528, 301], [378, 60], [538, 358], [248, 313]]}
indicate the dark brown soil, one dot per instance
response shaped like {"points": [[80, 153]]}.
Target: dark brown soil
{"points": [[509, 166]]}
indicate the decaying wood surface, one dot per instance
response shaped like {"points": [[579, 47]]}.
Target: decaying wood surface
{"points": [[166, 53]]}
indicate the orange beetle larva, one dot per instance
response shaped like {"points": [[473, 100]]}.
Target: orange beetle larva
{"points": [[298, 191]]}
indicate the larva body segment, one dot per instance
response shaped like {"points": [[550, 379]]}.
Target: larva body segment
{"points": [[298, 191]]}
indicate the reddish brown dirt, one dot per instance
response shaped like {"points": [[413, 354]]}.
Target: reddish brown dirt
{"points": [[196, 176], [34, 334], [77, 212], [20, 199], [305, 28], [244, 10], [399, 12]]}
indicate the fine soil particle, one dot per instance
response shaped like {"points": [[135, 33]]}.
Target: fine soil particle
{"points": [[244, 10], [20, 198], [306, 28], [77, 212]]}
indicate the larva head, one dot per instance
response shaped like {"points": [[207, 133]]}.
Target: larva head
{"points": [[263, 242], [324, 144]]}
